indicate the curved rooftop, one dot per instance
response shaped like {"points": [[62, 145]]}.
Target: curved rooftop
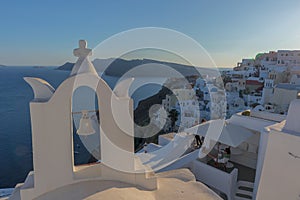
{"points": [[176, 184]]}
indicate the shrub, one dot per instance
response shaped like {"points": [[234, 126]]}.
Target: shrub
{"points": [[246, 113]]}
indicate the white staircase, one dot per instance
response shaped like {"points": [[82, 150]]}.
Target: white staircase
{"points": [[244, 190]]}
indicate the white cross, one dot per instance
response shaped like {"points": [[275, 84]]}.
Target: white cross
{"points": [[82, 51]]}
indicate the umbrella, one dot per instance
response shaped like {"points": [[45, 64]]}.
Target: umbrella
{"points": [[223, 132]]}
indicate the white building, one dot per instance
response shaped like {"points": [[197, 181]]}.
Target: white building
{"points": [[206, 94], [187, 105], [295, 79], [283, 94], [288, 58], [189, 114], [180, 95], [235, 104], [267, 92], [200, 83], [255, 98], [263, 74], [277, 175], [267, 60]]}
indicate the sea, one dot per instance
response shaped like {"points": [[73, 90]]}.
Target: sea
{"points": [[15, 125]]}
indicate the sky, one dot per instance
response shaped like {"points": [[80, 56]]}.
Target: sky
{"points": [[45, 32]]}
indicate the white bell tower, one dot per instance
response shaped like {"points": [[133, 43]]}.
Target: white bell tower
{"points": [[52, 134]]}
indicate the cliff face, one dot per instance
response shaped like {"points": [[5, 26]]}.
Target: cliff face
{"points": [[141, 116]]}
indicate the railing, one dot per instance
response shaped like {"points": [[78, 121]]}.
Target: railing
{"points": [[268, 116], [183, 162], [215, 178]]}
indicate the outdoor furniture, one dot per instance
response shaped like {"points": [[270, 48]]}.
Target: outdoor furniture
{"points": [[229, 165], [221, 159]]}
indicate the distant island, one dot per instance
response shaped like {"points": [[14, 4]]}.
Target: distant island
{"points": [[118, 67], [99, 64], [66, 67]]}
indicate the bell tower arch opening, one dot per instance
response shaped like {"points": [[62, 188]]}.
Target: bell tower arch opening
{"points": [[85, 122]]}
